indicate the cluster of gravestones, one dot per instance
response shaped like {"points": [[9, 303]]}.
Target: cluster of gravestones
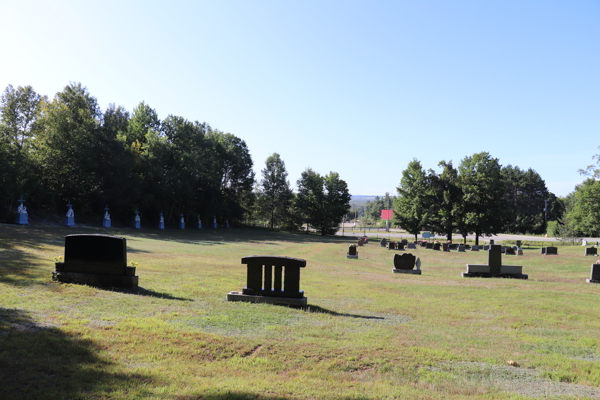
{"points": [[101, 260], [22, 218]]}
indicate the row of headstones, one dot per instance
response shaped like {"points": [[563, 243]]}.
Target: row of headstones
{"points": [[101, 260], [22, 218]]}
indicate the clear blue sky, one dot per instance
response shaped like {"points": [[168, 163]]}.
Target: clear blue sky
{"points": [[360, 88]]}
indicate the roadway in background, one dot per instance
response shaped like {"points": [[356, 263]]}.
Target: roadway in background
{"points": [[396, 233]]}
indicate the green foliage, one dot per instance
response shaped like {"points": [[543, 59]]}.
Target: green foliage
{"points": [[322, 200], [412, 206], [275, 196], [525, 194], [67, 149], [446, 209], [584, 214], [592, 170], [552, 228], [483, 190]]}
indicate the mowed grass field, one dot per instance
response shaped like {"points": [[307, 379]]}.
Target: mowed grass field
{"points": [[367, 334]]}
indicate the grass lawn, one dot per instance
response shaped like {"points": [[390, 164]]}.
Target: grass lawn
{"points": [[367, 334]]}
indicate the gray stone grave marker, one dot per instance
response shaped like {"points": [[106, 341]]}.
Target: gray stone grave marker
{"points": [[412, 246]]}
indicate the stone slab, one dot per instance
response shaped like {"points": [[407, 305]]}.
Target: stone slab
{"points": [[284, 301], [96, 279], [407, 271], [504, 269], [353, 257], [488, 275]]}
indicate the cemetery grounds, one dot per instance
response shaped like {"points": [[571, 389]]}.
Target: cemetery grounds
{"points": [[367, 334]]}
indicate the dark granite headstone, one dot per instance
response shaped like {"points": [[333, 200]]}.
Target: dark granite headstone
{"points": [[551, 251], [543, 250], [595, 274], [475, 248], [404, 261], [509, 251], [445, 247], [383, 242], [273, 276], [518, 243], [399, 246], [412, 246], [486, 247], [352, 250], [491, 242], [423, 244], [429, 245], [98, 260], [436, 246], [590, 251], [495, 259], [461, 248], [453, 246], [404, 241], [361, 241]]}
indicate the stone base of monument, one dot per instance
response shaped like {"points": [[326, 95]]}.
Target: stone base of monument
{"points": [[483, 271], [284, 301], [353, 257], [592, 281], [407, 271], [99, 280]]}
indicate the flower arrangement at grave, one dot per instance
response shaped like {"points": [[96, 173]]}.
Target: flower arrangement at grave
{"points": [[58, 259], [134, 264]]}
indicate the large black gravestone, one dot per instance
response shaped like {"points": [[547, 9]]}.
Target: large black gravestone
{"points": [[274, 280], [590, 251], [429, 245], [494, 267], [96, 260], [405, 264], [436, 246], [595, 274]]}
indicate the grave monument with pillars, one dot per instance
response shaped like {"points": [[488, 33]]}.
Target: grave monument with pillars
{"points": [[273, 280]]}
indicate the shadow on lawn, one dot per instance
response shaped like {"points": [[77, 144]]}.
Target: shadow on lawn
{"points": [[41, 362], [140, 291], [249, 396], [316, 309]]}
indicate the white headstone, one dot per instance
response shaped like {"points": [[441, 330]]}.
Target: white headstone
{"points": [[418, 264]]}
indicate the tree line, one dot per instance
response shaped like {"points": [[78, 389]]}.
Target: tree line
{"points": [[66, 149], [483, 197]]}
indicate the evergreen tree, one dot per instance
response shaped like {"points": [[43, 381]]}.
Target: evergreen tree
{"points": [[275, 196], [483, 194], [412, 206]]}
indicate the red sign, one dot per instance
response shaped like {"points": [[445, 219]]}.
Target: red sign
{"points": [[387, 214]]}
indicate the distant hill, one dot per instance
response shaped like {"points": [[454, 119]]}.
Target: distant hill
{"points": [[361, 200]]}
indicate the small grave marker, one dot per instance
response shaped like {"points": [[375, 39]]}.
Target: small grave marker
{"points": [[412, 246], [405, 264], [383, 242], [590, 251], [137, 220], [352, 253]]}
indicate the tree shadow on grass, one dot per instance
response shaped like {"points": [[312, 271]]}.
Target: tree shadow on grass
{"points": [[140, 291], [42, 362], [317, 309], [239, 395]]}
